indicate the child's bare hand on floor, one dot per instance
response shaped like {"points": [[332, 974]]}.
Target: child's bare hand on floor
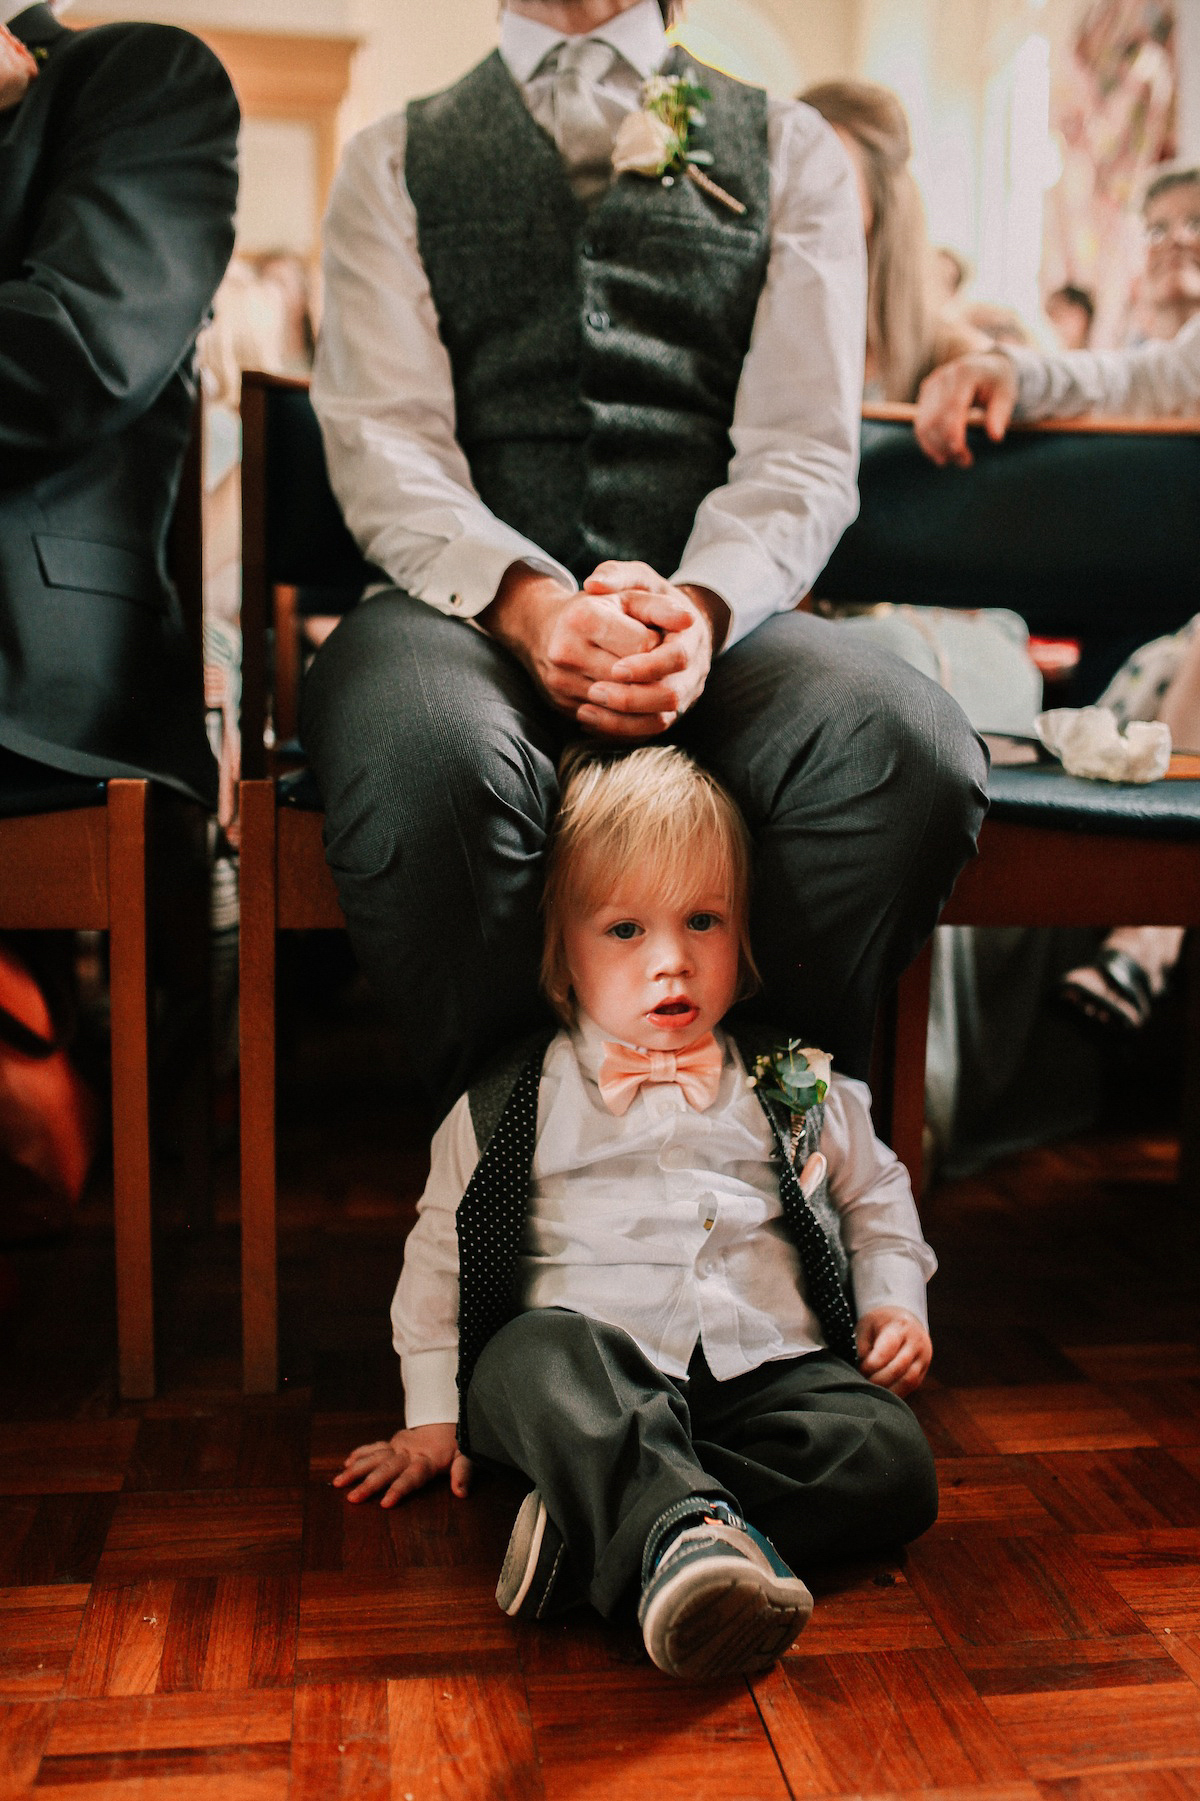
{"points": [[894, 1349], [403, 1463]]}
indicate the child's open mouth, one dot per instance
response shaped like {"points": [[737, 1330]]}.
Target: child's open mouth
{"points": [[674, 1012]]}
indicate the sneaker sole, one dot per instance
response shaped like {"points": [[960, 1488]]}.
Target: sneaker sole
{"points": [[738, 1621], [521, 1558]]}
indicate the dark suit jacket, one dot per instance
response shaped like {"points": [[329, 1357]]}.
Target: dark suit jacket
{"points": [[118, 179]]}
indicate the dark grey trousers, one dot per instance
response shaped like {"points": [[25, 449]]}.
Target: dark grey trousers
{"points": [[827, 1465], [862, 784]]}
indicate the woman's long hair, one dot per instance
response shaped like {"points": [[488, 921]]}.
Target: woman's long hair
{"points": [[900, 318]]}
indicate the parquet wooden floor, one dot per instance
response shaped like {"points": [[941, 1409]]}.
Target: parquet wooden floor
{"points": [[189, 1612]]}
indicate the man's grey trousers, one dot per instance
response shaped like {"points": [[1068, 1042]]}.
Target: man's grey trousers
{"points": [[862, 784]]}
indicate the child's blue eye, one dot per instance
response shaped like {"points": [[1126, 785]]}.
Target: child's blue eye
{"points": [[624, 928], [703, 922]]}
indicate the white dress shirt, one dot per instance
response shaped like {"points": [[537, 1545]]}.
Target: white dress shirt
{"points": [[383, 391], [1151, 381], [666, 1222]]}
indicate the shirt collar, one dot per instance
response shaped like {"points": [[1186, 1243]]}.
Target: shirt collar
{"points": [[638, 35]]}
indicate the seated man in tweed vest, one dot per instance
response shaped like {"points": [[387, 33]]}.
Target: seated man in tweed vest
{"points": [[634, 1277], [599, 433]]}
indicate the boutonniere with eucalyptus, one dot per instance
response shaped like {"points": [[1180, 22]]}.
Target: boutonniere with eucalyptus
{"points": [[18, 67], [795, 1076], [657, 141]]}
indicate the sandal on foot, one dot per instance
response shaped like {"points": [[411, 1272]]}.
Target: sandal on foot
{"points": [[1125, 980]]}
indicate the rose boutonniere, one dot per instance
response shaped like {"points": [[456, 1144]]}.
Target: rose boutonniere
{"points": [[795, 1076], [657, 141], [17, 69]]}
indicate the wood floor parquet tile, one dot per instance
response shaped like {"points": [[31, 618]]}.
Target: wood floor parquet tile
{"points": [[121, 1639], [231, 1633], [429, 1530], [463, 1738], [1167, 1409], [629, 1734], [1067, 1733], [990, 1491], [76, 1457], [24, 1729], [893, 1721], [949, 1427], [38, 1630], [1024, 1668], [1158, 1573], [985, 1589], [53, 1538], [221, 1450], [242, 1773], [1058, 1417], [406, 1623], [1107, 1364], [869, 1609], [140, 1723], [340, 1743], [1184, 1648], [211, 1533], [1122, 1785], [1115, 1491]]}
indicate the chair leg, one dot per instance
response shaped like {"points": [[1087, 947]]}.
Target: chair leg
{"points": [[1189, 1134], [907, 1074], [128, 823], [260, 1354]]}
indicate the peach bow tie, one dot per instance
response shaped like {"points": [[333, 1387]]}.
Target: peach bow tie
{"points": [[697, 1070]]}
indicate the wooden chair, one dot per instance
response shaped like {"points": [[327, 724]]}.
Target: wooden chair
{"points": [[1073, 525], [292, 535], [75, 856]]}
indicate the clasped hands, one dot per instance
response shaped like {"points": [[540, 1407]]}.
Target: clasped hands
{"points": [[624, 656]]}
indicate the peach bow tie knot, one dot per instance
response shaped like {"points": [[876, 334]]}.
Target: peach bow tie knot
{"points": [[697, 1071]]}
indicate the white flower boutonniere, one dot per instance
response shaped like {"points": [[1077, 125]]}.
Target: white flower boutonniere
{"points": [[18, 67], [796, 1077], [656, 142]]}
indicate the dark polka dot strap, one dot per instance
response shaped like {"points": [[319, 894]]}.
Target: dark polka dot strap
{"points": [[491, 1221], [827, 1296]]}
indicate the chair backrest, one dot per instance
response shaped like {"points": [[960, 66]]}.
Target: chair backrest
{"points": [[1061, 525], [293, 533]]}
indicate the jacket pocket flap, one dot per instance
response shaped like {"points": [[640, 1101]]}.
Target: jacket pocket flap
{"points": [[97, 568]]}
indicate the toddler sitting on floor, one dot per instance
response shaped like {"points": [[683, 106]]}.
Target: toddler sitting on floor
{"points": [[661, 1267]]}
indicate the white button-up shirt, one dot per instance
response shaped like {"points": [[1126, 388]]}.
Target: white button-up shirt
{"points": [[666, 1222], [383, 391], [1151, 381]]}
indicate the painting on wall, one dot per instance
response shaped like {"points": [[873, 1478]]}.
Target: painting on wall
{"points": [[1114, 109]]}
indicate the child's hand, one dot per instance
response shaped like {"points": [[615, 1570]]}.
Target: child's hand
{"points": [[894, 1349], [402, 1464]]}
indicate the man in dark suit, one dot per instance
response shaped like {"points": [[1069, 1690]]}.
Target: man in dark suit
{"points": [[118, 179]]}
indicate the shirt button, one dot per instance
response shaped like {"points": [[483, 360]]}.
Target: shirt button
{"points": [[598, 320]]}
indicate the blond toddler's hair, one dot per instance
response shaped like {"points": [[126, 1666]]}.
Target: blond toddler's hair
{"points": [[653, 813]]}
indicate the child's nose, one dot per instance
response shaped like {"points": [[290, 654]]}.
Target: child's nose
{"points": [[671, 957]]}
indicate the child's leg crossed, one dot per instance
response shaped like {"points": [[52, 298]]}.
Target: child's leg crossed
{"points": [[826, 1464], [602, 1434]]}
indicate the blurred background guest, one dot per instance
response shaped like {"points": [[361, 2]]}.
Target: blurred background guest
{"points": [[1070, 311], [1168, 292], [908, 331]]}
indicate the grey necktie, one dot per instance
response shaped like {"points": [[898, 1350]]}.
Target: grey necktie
{"points": [[583, 129]]}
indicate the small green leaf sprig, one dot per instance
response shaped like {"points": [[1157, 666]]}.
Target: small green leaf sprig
{"points": [[790, 1076], [675, 104]]}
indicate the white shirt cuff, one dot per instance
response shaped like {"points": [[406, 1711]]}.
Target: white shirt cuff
{"points": [[1033, 383], [430, 1387], [464, 577], [744, 578], [890, 1279]]}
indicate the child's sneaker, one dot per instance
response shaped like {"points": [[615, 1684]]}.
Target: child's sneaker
{"points": [[717, 1599], [531, 1563]]}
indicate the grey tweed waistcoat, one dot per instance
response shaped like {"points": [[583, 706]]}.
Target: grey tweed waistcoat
{"points": [[492, 1213], [595, 353]]}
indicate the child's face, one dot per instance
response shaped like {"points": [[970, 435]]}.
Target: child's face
{"points": [[655, 973]]}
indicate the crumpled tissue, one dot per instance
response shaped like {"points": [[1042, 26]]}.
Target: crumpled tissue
{"points": [[1088, 742]]}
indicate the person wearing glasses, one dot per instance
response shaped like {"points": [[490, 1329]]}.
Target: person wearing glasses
{"points": [[1159, 378]]}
